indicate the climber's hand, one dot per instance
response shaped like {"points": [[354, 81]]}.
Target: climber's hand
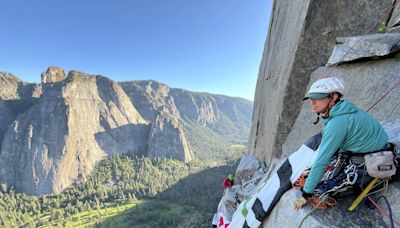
{"points": [[300, 202]]}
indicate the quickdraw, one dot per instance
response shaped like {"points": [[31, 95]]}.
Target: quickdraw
{"points": [[332, 168]]}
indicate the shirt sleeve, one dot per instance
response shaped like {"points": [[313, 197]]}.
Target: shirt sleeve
{"points": [[332, 139]]}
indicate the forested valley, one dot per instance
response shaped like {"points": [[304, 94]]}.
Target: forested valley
{"points": [[125, 191]]}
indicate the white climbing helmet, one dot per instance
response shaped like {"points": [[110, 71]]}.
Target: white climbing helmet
{"points": [[324, 86]]}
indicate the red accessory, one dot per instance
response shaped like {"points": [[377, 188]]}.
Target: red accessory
{"points": [[227, 183]]}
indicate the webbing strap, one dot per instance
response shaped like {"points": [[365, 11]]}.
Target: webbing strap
{"points": [[389, 147]]}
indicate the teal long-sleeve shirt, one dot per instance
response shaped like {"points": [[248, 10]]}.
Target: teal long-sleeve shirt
{"points": [[348, 128]]}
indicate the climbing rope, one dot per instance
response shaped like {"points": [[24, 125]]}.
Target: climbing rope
{"points": [[383, 212], [383, 96], [385, 184], [367, 221], [320, 202], [390, 209]]}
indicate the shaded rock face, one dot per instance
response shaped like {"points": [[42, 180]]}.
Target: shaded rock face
{"points": [[33, 146], [300, 39], [167, 139], [7, 116], [53, 74], [8, 94], [15, 98], [166, 136], [395, 17], [59, 139]]}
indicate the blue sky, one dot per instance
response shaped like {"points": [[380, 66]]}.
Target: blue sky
{"points": [[206, 45]]}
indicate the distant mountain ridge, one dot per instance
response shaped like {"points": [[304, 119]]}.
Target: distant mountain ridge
{"points": [[215, 112], [53, 133]]}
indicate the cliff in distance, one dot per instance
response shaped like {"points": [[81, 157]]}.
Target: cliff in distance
{"points": [[53, 133]]}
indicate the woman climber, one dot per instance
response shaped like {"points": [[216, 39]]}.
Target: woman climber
{"points": [[347, 129]]}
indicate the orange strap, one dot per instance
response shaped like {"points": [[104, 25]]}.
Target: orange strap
{"points": [[316, 202], [300, 182]]}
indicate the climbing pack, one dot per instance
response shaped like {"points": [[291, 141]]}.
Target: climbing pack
{"points": [[380, 164]]}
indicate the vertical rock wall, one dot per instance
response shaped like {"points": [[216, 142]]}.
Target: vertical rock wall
{"points": [[59, 139], [301, 37], [365, 82]]}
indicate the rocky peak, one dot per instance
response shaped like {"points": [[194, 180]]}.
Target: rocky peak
{"points": [[53, 74], [199, 107], [150, 97], [9, 86]]}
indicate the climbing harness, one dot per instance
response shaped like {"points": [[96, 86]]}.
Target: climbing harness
{"points": [[334, 178], [321, 198], [342, 172]]}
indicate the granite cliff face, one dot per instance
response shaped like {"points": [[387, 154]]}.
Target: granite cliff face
{"points": [[167, 138], [15, 98], [301, 38], [53, 134], [225, 115], [195, 118], [59, 139], [310, 39]]}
